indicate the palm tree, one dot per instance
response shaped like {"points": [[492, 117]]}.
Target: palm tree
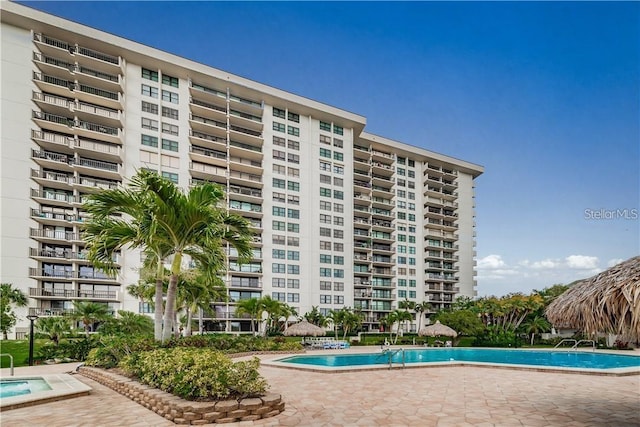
{"points": [[53, 327], [315, 317], [8, 296], [166, 222], [535, 326], [89, 313], [196, 292], [351, 321], [420, 308], [253, 307]]}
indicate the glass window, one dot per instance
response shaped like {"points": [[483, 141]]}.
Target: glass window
{"points": [[293, 145], [167, 144], [293, 117], [278, 253], [150, 91], [279, 225], [293, 186], [150, 141], [293, 228], [278, 268], [277, 112], [171, 113], [149, 75], [279, 155], [170, 96], [170, 129], [279, 183], [338, 130], [293, 158], [280, 127], [280, 142], [278, 282], [168, 80], [293, 269], [325, 126], [325, 153], [325, 192], [149, 107], [149, 124], [338, 156], [173, 177], [278, 211]]}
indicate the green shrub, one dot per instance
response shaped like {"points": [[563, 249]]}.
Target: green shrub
{"points": [[112, 349], [196, 373]]}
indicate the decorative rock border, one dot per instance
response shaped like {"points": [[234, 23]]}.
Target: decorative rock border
{"points": [[187, 412]]}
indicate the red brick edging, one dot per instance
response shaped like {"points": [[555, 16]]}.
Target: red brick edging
{"points": [[187, 412]]}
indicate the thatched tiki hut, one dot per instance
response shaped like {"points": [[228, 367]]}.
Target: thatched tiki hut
{"points": [[608, 302], [437, 330], [304, 329]]}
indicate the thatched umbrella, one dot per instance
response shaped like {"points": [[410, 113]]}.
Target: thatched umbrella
{"points": [[608, 302], [437, 329], [304, 329]]}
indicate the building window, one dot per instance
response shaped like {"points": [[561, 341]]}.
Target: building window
{"points": [[150, 75], [293, 227], [325, 299], [280, 142], [293, 213], [293, 297], [294, 172], [338, 169], [279, 296], [279, 155], [293, 269], [278, 240], [168, 80], [325, 259], [170, 96], [338, 299], [278, 253], [149, 141], [278, 282], [338, 207], [278, 268], [293, 117], [171, 113], [293, 145], [338, 130], [293, 186], [325, 286], [292, 130], [325, 272], [278, 211], [279, 197], [412, 163], [325, 139], [293, 241], [338, 194], [325, 206], [173, 177], [411, 174], [402, 160], [401, 171], [337, 143], [149, 107], [279, 127], [325, 246], [324, 166], [325, 153], [293, 158], [279, 183], [325, 126], [325, 219], [279, 169], [338, 234], [150, 91], [338, 260], [277, 112], [170, 129], [149, 124], [338, 156], [293, 255], [294, 200], [325, 232], [325, 192], [279, 225], [338, 220], [167, 144], [338, 247]]}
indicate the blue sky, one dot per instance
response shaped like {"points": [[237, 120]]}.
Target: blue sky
{"points": [[545, 95]]}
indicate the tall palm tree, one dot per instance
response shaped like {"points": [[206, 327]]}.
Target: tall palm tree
{"points": [[166, 222], [535, 326], [420, 308], [89, 313], [9, 296], [253, 307], [196, 291]]}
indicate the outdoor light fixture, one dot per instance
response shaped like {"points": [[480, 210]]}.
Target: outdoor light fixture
{"points": [[32, 318]]}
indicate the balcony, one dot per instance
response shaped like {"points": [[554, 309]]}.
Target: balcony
{"points": [[207, 140], [73, 294], [61, 48], [208, 156], [99, 150], [48, 312], [207, 125], [89, 184], [245, 178], [54, 122], [51, 179], [207, 93], [47, 273], [53, 198], [208, 172], [250, 194], [246, 165], [382, 156], [53, 236], [243, 104], [110, 116], [99, 131], [61, 218], [98, 168], [215, 107], [246, 150]]}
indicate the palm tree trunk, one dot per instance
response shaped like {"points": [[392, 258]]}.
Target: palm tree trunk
{"points": [[170, 308], [200, 321], [187, 331], [157, 316]]}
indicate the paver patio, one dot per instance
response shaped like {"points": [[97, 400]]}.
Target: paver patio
{"points": [[443, 396]]}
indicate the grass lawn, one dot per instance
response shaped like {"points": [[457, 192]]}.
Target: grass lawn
{"points": [[19, 349]]}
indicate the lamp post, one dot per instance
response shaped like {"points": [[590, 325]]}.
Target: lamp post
{"points": [[32, 318]]}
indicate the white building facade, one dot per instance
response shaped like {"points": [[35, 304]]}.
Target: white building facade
{"points": [[340, 217]]}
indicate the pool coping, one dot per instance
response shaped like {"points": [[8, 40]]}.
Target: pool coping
{"points": [[63, 386], [615, 372]]}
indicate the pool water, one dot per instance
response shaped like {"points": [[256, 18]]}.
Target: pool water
{"points": [[565, 359], [10, 388]]}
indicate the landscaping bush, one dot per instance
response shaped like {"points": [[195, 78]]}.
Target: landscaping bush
{"points": [[196, 373], [496, 337], [112, 349], [74, 349]]}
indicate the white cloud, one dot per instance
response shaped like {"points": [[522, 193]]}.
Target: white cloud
{"points": [[491, 262], [614, 261], [545, 264], [582, 262]]}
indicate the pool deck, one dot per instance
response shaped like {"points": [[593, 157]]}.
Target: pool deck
{"points": [[439, 396]]}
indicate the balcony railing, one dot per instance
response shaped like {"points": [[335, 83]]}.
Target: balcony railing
{"points": [[97, 164], [245, 146], [58, 216], [52, 176], [45, 272], [246, 176], [207, 137], [72, 293], [53, 234]]}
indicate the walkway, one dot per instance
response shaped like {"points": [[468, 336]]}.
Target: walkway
{"points": [[462, 396]]}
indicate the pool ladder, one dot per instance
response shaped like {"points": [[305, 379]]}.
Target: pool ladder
{"points": [[576, 343], [390, 353], [11, 361]]}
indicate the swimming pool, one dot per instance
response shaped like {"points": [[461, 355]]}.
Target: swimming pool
{"points": [[533, 359], [18, 387]]}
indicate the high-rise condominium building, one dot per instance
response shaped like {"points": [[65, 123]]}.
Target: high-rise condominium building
{"points": [[340, 217]]}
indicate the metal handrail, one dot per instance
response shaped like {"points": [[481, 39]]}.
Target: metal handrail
{"points": [[593, 344], [11, 361], [565, 340]]}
